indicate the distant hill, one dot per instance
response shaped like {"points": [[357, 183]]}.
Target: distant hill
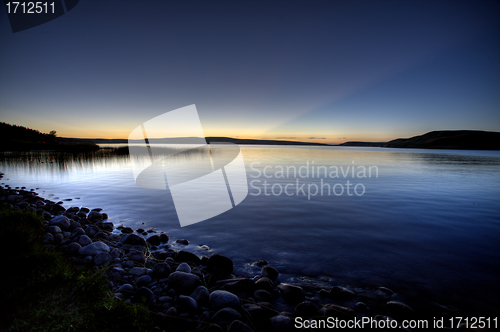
{"points": [[195, 139], [258, 141], [450, 139], [356, 143]]}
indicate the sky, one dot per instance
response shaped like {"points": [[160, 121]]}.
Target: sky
{"points": [[319, 71]]}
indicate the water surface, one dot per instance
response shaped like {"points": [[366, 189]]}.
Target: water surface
{"points": [[424, 222]]}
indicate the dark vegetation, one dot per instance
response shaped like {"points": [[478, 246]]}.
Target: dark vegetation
{"points": [[42, 291], [19, 138]]}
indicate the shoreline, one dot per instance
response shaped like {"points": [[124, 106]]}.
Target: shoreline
{"points": [[178, 284]]}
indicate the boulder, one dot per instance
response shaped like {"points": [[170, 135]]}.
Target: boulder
{"points": [[292, 293], [143, 280], [281, 323], [60, 221], [335, 310], [138, 271], [161, 270], [154, 240], [58, 237], [54, 229], [306, 309], [221, 299], [126, 289], [137, 256], [84, 240], [265, 284], [187, 304], [201, 295], [73, 248], [186, 256], [239, 326], [183, 283], [133, 239], [93, 249], [226, 316], [245, 285], [145, 296], [222, 264], [116, 273], [47, 238], [262, 295], [340, 293], [102, 258], [269, 272], [184, 267], [94, 216], [164, 238], [399, 309], [77, 232]]}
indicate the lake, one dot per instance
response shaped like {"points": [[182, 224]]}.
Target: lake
{"points": [[425, 223]]}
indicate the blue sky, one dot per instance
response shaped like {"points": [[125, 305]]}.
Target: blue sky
{"points": [[326, 71]]}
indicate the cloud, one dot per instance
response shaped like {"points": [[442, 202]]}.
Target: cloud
{"points": [[317, 137]]}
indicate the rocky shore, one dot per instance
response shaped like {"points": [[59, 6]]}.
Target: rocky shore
{"points": [[186, 292]]}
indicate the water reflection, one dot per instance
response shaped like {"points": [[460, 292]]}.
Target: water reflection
{"points": [[57, 162]]}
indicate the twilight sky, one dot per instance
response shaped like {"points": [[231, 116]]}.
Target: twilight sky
{"points": [[325, 71]]}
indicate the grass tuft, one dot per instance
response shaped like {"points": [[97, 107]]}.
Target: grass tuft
{"points": [[42, 291]]}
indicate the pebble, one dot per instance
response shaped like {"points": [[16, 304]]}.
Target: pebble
{"points": [[127, 230], [184, 267], [182, 241]]}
